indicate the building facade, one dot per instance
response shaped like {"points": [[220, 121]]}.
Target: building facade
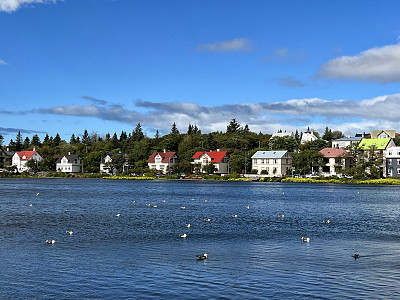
{"points": [[69, 164], [20, 159], [220, 160], [162, 161], [272, 163], [392, 160]]}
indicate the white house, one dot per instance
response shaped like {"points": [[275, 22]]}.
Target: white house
{"points": [[308, 137], [162, 161], [392, 159], [383, 134], [273, 163], [346, 142], [106, 162], [220, 159], [69, 164], [20, 158], [335, 160]]}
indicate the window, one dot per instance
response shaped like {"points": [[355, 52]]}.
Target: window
{"points": [[267, 161], [363, 144], [275, 161], [382, 144], [262, 161], [398, 161], [390, 152], [389, 161], [205, 160], [162, 167], [255, 161]]}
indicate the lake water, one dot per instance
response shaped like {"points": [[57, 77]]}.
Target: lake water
{"points": [[139, 255]]}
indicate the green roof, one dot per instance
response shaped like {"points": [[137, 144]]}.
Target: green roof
{"points": [[380, 144]]}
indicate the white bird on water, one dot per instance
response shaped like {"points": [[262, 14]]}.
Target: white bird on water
{"points": [[247, 206], [281, 216], [117, 215], [31, 204], [50, 241], [203, 256], [183, 207], [305, 239], [327, 221], [207, 220], [188, 225], [37, 194], [234, 216], [183, 235], [69, 232]]}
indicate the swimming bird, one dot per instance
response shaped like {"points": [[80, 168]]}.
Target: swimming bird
{"points": [[133, 201], [327, 221], [203, 256], [188, 225], [305, 239], [247, 206], [69, 232], [283, 193], [50, 241], [155, 206], [192, 199], [148, 204], [207, 220], [66, 210], [356, 255], [281, 216], [183, 235], [117, 215], [234, 216], [37, 194], [31, 204], [205, 200], [164, 201], [183, 207]]}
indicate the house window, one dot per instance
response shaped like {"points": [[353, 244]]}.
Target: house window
{"points": [[275, 170], [398, 161], [267, 168], [153, 167], [262, 161], [390, 152], [267, 161], [161, 167], [205, 160], [389, 162], [275, 161], [254, 161], [287, 161]]}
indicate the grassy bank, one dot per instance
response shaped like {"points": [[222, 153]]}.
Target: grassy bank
{"points": [[386, 181]]}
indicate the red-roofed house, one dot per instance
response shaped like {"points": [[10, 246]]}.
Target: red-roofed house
{"points": [[335, 161], [20, 158], [220, 159], [162, 161]]}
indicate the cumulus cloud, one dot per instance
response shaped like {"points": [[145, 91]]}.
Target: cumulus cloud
{"points": [[289, 81], [235, 45], [2, 62], [375, 65], [13, 5], [342, 114]]}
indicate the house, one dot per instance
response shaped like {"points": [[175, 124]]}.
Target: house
{"points": [[308, 137], [392, 159], [383, 134], [20, 159], [273, 163], [283, 134], [162, 161], [346, 142], [381, 145], [220, 159], [5, 155], [335, 160], [69, 164], [109, 167]]}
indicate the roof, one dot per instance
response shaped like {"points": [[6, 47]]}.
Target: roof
{"points": [[27, 154], [390, 133], [269, 154], [166, 156], [216, 156], [380, 144], [355, 139], [333, 152], [70, 158]]}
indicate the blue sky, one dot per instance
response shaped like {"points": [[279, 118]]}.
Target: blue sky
{"points": [[104, 66]]}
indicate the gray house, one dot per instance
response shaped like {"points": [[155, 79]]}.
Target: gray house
{"points": [[69, 164], [272, 163]]}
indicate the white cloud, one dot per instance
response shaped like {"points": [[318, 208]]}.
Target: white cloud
{"points": [[283, 55], [376, 65], [2, 62], [349, 116], [12, 5], [235, 45]]}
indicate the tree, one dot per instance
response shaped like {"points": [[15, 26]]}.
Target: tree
{"points": [[210, 168], [46, 140], [26, 144], [57, 140], [18, 142], [85, 138], [233, 126], [36, 141], [114, 140], [174, 129], [283, 143], [33, 165], [123, 136], [138, 134], [327, 136]]}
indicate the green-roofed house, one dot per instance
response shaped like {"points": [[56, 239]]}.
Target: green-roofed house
{"points": [[381, 145]]}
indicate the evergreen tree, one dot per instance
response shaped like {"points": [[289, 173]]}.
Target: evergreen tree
{"points": [[57, 140], [114, 140], [108, 137], [11, 145], [35, 141], [72, 139], [85, 138], [233, 126], [138, 134], [26, 144], [174, 130], [18, 142], [46, 139], [246, 129], [123, 136], [157, 135]]}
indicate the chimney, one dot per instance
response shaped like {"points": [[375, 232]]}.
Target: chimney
{"points": [[217, 150], [8, 149], [164, 151], [69, 153], [34, 148]]}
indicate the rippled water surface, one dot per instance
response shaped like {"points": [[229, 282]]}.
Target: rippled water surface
{"points": [[140, 255]]}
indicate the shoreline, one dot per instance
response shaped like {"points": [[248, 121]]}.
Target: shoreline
{"points": [[382, 181]]}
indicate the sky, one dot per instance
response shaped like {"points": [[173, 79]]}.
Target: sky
{"points": [[107, 65]]}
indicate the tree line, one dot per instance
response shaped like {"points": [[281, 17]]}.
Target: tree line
{"points": [[240, 142]]}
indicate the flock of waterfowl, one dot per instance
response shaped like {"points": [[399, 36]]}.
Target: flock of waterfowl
{"points": [[203, 256]]}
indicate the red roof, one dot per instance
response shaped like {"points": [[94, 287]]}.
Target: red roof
{"points": [[216, 156], [166, 157], [27, 154], [333, 152]]}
